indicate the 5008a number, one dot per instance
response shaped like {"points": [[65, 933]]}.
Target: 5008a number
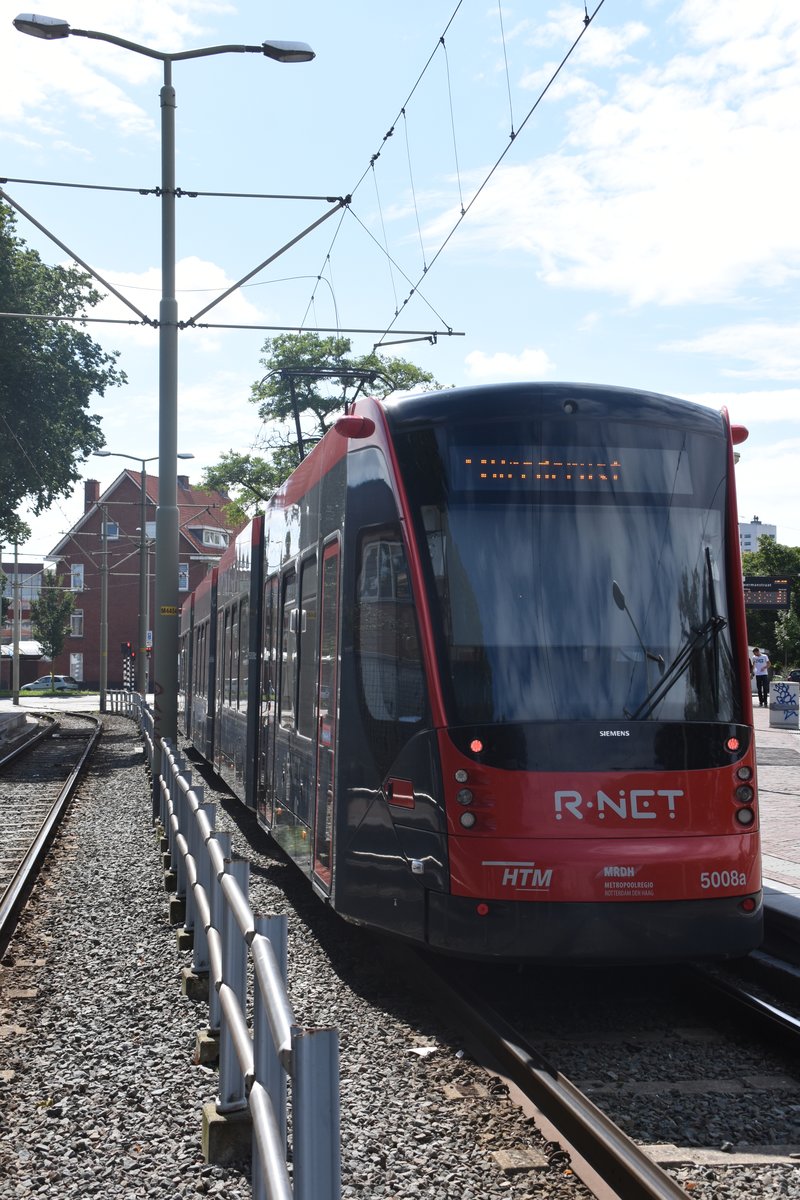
{"points": [[722, 879]]}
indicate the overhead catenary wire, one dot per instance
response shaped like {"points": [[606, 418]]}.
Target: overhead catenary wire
{"points": [[512, 133], [464, 208], [493, 169], [453, 123]]}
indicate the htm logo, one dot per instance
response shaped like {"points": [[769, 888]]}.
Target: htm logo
{"points": [[523, 876]]}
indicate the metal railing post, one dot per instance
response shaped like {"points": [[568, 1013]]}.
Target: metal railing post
{"points": [[195, 848], [200, 959], [315, 1114], [269, 1068], [217, 906], [232, 1095]]}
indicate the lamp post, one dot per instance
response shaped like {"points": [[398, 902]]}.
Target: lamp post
{"points": [[141, 669], [165, 683]]}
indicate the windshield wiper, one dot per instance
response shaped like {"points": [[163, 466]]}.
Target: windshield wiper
{"points": [[622, 605], [697, 641]]}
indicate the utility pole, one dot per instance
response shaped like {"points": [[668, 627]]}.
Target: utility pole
{"points": [[104, 611], [15, 684]]}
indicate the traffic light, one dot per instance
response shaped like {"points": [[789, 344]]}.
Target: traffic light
{"points": [[126, 650]]}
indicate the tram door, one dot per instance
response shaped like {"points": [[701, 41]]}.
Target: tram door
{"points": [[327, 706], [269, 698]]}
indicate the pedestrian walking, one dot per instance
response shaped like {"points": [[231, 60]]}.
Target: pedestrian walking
{"points": [[761, 669]]}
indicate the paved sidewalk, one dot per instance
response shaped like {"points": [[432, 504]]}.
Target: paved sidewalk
{"points": [[778, 758]]}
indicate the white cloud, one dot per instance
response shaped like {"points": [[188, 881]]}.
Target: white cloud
{"points": [[771, 350], [754, 408], [678, 188], [528, 364], [83, 71], [198, 283]]}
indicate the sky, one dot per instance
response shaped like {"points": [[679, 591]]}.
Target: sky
{"points": [[613, 201]]}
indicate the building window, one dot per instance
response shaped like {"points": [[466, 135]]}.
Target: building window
{"points": [[76, 577], [76, 666], [183, 577], [112, 531], [76, 623], [214, 537]]}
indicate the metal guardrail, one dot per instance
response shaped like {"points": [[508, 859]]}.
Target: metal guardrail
{"points": [[254, 1070], [124, 703]]}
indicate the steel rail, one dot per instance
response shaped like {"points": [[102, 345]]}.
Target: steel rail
{"points": [[740, 998], [29, 742], [617, 1160], [13, 897]]}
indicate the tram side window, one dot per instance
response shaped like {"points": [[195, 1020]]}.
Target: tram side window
{"points": [[221, 650], [307, 638], [269, 673], [288, 648], [244, 652], [387, 639], [233, 665], [197, 666]]}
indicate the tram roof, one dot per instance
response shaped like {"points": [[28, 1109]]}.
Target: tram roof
{"points": [[517, 399]]}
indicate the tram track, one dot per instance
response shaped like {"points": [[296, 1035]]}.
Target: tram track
{"points": [[584, 1122], [37, 783]]}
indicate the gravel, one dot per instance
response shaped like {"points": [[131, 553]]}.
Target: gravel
{"points": [[99, 1096]]}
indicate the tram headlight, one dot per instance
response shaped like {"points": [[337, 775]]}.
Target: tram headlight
{"points": [[745, 816], [744, 794], [464, 796], [461, 776], [744, 773], [468, 819]]}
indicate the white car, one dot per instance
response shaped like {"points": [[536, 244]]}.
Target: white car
{"points": [[57, 683]]}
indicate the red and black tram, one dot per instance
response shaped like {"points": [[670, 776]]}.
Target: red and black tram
{"points": [[481, 669]]}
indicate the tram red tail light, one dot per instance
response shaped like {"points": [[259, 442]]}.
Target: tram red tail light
{"points": [[748, 905], [732, 744], [482, 909]]}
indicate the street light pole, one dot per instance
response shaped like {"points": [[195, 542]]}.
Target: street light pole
{"points": [[165, 683]]}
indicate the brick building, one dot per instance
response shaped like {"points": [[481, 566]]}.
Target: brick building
{"points": [[29, 575], [204, 535], [28, 588]]}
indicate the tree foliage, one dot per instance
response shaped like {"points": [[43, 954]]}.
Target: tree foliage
{"points": [[49, 370], [50, 614], [774, 630], [787, 636], [315, 378]]}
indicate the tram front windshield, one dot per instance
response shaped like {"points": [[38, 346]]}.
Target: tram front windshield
{"points": [[575, 573]]}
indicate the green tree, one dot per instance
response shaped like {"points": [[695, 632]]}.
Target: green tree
{"points": [[309, 379], [49, 370], [783, 562], [50, 615], [787, 636]]}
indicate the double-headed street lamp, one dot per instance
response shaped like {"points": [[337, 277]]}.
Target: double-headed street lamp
{"points": [[144, 606], [165, 682]]}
